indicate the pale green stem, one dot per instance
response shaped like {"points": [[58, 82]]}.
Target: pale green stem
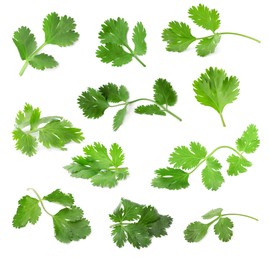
{"points": [[218, 148], [30, 57], [150, 100], [238, 34], [222, 119], [241, 215], [40, 200]]}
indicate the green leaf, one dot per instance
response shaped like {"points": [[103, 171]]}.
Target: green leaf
{"points": [[211, 176], [170, 178], [249, 141], [150, 110], [117, 155], [114, 31], [164, 94], [237, 165], [215, 89], [139, 35], [145, 223], [28, 212], [205, 17], [59, 133], [69, 225], [113, 53], [26, 143], [188, 158], [119, 235], [98, 166], [23, 117], [223, 229], [60, 30], [208, 45], [92, 103], [113, 93], [25, 42], [195, 231], [213, 213], [34, 119], [57, 196], [119, 118], [43, 61], [178, 37]]}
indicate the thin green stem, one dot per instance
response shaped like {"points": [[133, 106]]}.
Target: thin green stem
{"points": [[231, 33], [241, 215], [222, 119], [30, 57], [135, 56], [149, 100], [215, 150], [40, 200]]}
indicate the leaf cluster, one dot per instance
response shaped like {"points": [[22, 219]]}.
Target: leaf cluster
{"points": [[103, 169], [69, 222], [114, 46], [185, 160], [94, 103], [58, 31], [137, 224], [53, 131]]}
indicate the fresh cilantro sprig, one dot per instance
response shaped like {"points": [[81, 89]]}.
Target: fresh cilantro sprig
{"points": [[115, 47], [215, 89], [184, 158], [58, 31], [102, 169], [179, 37], [51, 131], [95, 102], [137, 224], [197, 230], [69, 223]]}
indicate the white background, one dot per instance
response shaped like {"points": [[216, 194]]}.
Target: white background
{"points": [[147, 141]]}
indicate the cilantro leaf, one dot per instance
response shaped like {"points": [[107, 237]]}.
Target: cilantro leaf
{"points": [[211, 176], [191, 158], [69, 225], [215, 89], [104, 170], [188, 158], [195, 231], [25, 42], [119, 118], [94, 102], [115, 47], [164, 94], [43, 61], [178, 37], [237, 165], [28, 212], [58, 31], [170, 178], [213, 213], [50, 131], [249, 141], [146, 224], [223, 229], [61, 198], [149, 110], [205, 17], [139, 36], [207, 45]]}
